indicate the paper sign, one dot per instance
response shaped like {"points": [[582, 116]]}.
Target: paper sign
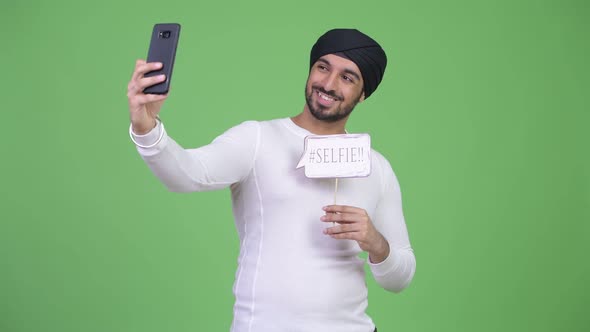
{"points": [[336, 156]]}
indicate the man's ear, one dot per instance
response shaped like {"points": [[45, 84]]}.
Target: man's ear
{"points": [[362, 97]]}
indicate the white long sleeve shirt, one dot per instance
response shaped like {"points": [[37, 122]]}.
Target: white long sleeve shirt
{"points": [[290, 277]]}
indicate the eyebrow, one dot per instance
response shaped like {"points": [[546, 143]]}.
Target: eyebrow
{"points": [[346, 70]]}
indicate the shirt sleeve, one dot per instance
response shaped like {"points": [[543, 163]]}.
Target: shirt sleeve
{"points": [[396, 272], [228, 159]]}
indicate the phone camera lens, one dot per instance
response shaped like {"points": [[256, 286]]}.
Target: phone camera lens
{"points": [[164, 34]]}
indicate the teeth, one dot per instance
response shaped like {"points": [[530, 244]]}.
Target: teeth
{"points": [[324, 97]]}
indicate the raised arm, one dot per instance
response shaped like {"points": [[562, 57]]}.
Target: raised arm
{"points": [[227, 160], [144, 108]]}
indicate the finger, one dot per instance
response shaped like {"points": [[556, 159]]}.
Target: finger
{"points": [[136, 87], [145, 68], [343, 209], [149, 81], [142, 68], [139, 62], [344, 217], [346, 236], [346, 228]]}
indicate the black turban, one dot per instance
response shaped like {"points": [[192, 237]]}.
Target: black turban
{"points": [[361, 49]]}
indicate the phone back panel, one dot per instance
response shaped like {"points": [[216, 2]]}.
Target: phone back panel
{"points": [[163, 49]]}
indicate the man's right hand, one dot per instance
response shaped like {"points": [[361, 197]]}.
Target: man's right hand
{"points": [[144, 108]]}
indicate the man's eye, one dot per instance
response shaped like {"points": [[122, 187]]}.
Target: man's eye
{"points": [[347, 78], [322, 67]]}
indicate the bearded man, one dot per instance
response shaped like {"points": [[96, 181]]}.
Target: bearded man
{"points": [[298, 267]]}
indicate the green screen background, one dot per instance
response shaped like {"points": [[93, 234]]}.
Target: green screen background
{"points": [[483, 114]]}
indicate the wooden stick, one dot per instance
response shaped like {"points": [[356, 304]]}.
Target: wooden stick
{"points": [[335, 189], [335, 192]]}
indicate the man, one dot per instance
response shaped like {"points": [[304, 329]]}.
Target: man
{"points": [[299, 268]]}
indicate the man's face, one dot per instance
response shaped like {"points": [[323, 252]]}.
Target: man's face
{"points": [[333, 88]]}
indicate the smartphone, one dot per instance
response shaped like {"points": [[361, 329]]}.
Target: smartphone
{"points": [[163, 49]]}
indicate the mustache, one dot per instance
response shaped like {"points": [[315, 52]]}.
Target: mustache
{"points": [[328, 93]]}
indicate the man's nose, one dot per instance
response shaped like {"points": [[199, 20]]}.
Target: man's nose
{"points": [[330, 82]]}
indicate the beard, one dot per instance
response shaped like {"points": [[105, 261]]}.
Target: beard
{"points": [[320, 112]]}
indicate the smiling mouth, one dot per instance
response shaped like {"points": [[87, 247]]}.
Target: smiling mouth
{"points": [[326, 97]]}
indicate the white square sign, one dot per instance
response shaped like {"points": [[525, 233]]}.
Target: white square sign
{"points": [[336, 156]]}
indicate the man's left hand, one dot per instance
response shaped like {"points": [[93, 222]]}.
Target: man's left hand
{"points": [[354, 223]]}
